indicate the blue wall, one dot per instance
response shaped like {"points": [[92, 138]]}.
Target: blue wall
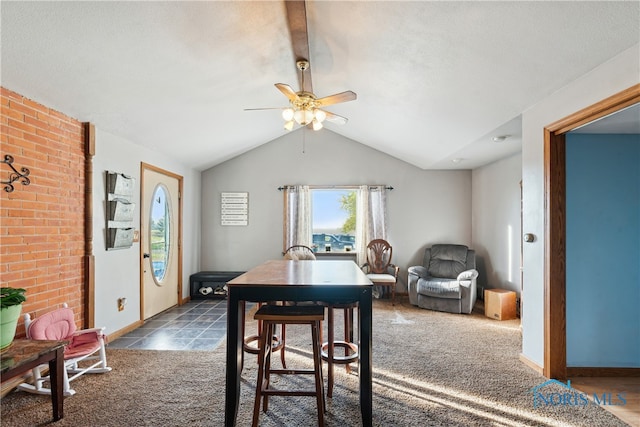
{"points": [[603, 250]]}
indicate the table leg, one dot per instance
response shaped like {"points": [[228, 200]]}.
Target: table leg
{"points": [[365, 323], [234, 357], [56, 366], [243, 314]]}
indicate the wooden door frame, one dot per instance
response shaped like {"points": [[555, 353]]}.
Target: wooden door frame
{"points": [[89, 258], [555, 337], [144, 167]]}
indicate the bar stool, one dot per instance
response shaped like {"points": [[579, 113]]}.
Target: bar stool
{"points": [[350, 348], [272, 315], [277, 342]]}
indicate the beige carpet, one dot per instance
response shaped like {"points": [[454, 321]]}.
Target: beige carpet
{"points": [[430, 369]]}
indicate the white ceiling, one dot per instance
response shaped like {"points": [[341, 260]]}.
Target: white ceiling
{"points": [[435, 80]]}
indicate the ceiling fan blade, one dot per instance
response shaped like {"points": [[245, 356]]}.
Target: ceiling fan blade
{"points": [[334, 118], [288, 92], [297, 22], [337, 98], [266, 108]]}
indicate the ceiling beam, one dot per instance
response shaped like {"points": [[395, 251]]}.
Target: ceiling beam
{"points": [[297, 22]]}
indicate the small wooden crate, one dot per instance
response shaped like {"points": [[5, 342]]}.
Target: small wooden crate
{"points": [[500, 304]]}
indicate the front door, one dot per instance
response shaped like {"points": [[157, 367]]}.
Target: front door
{"points": [[160, 240]]}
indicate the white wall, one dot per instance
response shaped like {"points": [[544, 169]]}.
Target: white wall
{"points": [[617, 74], [496, 223], [425, 207], [117, 272]]}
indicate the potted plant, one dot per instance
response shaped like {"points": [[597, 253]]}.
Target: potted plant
{"points": [[11, 300]]}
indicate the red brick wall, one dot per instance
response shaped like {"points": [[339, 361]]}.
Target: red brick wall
{"points": [[42, 224]]}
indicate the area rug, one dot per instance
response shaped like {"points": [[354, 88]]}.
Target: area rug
{"points": [[430, 369]]}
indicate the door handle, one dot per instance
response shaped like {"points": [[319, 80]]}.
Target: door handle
{"points": [[146, 256]]}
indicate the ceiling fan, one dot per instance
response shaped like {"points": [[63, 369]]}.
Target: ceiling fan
{"points": [[304, 107]]}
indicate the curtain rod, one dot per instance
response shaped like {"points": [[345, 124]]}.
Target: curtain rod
{"points": [[346, 187]]}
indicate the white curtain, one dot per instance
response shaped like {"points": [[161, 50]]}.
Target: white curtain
{"points": [[371, 217], [297, 216]]}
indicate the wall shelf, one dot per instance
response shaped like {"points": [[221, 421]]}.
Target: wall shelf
{"points": [[119, 210]]}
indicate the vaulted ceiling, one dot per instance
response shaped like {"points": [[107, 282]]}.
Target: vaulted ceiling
{"points": [[436, 81]]}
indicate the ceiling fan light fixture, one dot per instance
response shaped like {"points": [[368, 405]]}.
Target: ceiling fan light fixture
{"points": [[308, 116], [319, 115], [287, 114], [304, 107], [303, 117]]}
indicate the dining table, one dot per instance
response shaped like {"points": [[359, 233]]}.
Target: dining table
{"points": [[329, 281], [24, 354]]}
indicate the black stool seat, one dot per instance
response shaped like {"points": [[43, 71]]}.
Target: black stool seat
{"points": [[270, 316], [290, 313]]}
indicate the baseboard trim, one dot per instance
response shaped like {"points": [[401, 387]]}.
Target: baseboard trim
{"points": [[137, 324], [602, 372], [531, 364], [586, 371], [125, 330]]}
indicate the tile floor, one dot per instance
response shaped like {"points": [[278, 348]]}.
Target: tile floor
{"points": [[196, 325]]}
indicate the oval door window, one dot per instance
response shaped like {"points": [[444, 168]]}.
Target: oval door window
{"points": [[160, 232]]}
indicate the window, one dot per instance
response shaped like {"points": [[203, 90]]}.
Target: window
{"points": [[160, 229], [333, 219], [312, 213]]}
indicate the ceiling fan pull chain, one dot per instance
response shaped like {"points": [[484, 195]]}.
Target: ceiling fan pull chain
{"points": [[304, 139]]}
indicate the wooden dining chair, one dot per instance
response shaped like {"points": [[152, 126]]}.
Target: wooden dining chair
{"points": [[379, 268], [299, 253]]}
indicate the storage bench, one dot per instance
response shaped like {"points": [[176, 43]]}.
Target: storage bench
{"points": [[211, 284]]}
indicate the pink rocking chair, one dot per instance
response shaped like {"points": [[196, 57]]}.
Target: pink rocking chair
{"points": [[86, 345]]}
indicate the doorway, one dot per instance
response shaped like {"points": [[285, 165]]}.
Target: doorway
{"points": [[555, 345], [160, 240]]}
